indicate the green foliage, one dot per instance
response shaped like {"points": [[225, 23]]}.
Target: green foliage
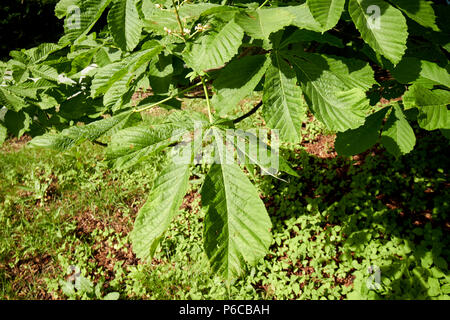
{"points": [[92, 76]]}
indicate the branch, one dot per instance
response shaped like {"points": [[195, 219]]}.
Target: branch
{"points": [[248, 114]]}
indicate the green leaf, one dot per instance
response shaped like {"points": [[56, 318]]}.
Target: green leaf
{"points": [[261, 23], [326, 12], [73, 136], [162, 205], [238, 80], [397, 137], [351, 142], [237, 226], [303, 19], [133, 145], [10, 100], [214, 48], [432, 105], [420, 11], [80, 22], [124, 70], [386, 33], [252, 150], [421, 72], [125, 25], [283, 107], [335, 95], [302, 35]]}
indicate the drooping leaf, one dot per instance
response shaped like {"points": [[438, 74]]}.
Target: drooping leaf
{"points": [[237, 226], [326, 12], [161, 207], [336, 99], [432, 106], [237, 80], [420, 11], [83, 16], [351, 142], [382, 26], [125, 25], [73, 136], [214, 48], [421, 72], [302, 18], [397, 137], [283, 107], [261, 23]]}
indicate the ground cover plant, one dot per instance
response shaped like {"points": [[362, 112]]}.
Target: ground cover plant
{"points": [[373, 72]]}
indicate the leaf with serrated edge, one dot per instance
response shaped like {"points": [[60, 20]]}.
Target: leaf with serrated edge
{"points": [[387, 33], [237, 226], [326, 12], [162, 205], [397, 137], [283, 107]]}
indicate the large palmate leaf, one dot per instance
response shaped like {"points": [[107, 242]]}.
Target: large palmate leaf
{"points": [[238, 80], [432, 105], [335, 95], [237, 226], [161, 207], [382, 26], [261, 23], [398, 137], [326, 12], [420, 11], [82, 17], [283, 107], [73, 136], [351, 142], [215, 48], [125, 25]]}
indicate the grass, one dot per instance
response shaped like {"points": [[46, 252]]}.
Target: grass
{"points": [[67, 213]]}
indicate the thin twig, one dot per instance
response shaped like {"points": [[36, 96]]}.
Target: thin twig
{"points": [[248, 114]]}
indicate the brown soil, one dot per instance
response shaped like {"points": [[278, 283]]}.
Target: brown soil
{"points": [[321, 147]]}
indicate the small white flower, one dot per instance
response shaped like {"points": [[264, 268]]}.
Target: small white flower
{"points": [[186, 30], [157, 5], [167, 30]]}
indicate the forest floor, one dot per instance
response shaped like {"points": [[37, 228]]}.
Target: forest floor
{"points": [[336, 227]]}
